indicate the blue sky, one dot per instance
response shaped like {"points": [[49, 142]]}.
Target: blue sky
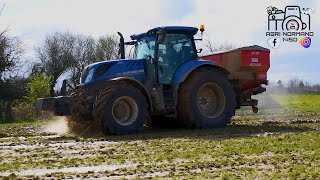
{"points": [[238, 22]]}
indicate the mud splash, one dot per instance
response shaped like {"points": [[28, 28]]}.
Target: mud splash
{"points": [[59, 126]]}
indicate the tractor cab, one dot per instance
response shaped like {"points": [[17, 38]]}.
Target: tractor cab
{"points": [[165, 52], [165, 49]]}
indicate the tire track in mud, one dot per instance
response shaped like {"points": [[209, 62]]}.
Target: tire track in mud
{"points": [[61, 147], [46, 149], [82, 169]]}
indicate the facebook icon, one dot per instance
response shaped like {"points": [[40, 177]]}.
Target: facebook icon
{"points": [[274, 42]]}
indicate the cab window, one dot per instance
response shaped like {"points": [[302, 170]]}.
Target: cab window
{"points": [[173, 52]]}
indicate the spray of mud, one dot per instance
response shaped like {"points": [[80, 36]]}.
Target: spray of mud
{"points": [[83, 127], [68, 126], [59, 126]]}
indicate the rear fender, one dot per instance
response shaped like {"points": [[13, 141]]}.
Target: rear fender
{"points": [[187, 68], [139, 86]]}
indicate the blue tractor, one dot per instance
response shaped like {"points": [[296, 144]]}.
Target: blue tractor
{"points": [[164, 79]]}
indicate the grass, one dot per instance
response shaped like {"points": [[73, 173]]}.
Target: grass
{"points": [[22, 129], [280, 144], [309, 102], [273, 144]]}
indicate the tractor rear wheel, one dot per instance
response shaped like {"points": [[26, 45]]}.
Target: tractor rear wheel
{"points": [[206, 99], [120, 109]]}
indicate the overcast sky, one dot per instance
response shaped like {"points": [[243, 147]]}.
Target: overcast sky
{"points": [[239, 22]]}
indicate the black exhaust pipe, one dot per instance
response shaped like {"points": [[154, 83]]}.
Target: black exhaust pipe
{"points": [[121, 47]]}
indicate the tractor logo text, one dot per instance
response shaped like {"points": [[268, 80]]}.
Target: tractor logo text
{"points": [[289, 25]]}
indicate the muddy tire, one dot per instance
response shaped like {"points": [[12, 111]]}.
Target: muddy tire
{"points": [[80, 122], [120, 109], [206, 100]]}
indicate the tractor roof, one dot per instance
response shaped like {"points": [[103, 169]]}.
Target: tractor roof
{"points": [[169, 29]]}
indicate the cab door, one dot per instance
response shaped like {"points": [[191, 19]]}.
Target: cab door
{"points": [[145, 49], [173, 52]]}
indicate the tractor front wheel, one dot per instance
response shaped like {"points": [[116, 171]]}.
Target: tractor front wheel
{"points": [[121, 109]]}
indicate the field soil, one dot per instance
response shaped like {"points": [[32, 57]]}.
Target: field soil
{"points": [[277, 143]]}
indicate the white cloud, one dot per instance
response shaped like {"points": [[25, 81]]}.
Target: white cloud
{"points": [[33, 19], [235, 21], [94, 17]]}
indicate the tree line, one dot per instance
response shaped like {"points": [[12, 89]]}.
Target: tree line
{"points": [[66, 52], [60, 54], [294, 86]]}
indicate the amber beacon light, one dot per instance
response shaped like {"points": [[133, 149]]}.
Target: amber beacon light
{"points": [[202, 27]]}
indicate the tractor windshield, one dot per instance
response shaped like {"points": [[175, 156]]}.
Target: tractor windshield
{"points": [[145, 47]]}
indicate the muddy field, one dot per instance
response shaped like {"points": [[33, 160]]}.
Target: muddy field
{"points": [[273, 144]]}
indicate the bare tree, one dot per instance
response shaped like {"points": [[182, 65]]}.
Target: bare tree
{"points": [[301, 84], [107, 48], [317, 88], [56, 56], [66, 52], [11, 88], [84, 54], [10, 52], [280, 84], [211, 47], [293, 85], [87, 51]]}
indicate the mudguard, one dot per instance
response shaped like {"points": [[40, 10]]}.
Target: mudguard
{"points": [[186, 68], [139, 86]]}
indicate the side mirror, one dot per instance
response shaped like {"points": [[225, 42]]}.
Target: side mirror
{"points": [[161, 36]]}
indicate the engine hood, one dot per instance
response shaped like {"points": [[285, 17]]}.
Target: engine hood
{"points": [[112, 69]]}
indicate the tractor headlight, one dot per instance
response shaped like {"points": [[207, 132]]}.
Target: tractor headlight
{"points": [[89, 76]]}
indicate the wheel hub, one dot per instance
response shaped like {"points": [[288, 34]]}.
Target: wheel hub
{"points": [[125, 110], [210, 100]]}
